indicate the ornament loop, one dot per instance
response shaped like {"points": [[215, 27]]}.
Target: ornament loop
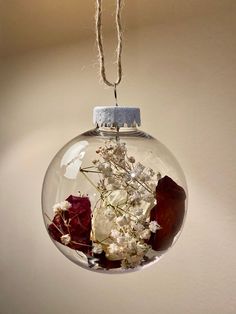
{"points": [[115, 94], [100, 42]]}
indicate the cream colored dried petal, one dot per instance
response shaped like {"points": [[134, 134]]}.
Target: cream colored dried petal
{"points": [[65, 239]]}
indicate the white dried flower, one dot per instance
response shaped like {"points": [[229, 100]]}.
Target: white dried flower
{"points": [[100, 166], [125, 264], [137, 226], [56, 208], [131, 159], [65, 239], [121, 239], [148, 197], [138, 169], [145, 234], [132, 245], [135, 197], [144, 177], [131, 261], [115, 233], [152, 186], [97, 248], [150, 172], [120, 149], [113, 248], [142, 248], [154, 226], [63, 206], [107, 170]]}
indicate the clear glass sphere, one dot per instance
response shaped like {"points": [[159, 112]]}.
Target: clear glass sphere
{"points": [[114, 201]]}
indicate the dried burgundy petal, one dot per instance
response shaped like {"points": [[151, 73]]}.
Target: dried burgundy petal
{"points": [[104, 262], [57, 228], [168, 212], [76, 222], [79, 204]]}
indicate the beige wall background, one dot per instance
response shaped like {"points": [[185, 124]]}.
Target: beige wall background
{"points": [[181, 72]]}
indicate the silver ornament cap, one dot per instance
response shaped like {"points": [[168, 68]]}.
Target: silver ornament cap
{"points": [[115, 116]]}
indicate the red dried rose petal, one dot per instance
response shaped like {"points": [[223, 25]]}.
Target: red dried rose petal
{"points": [[57, 228], [168, 212], [79, 204], [76, 222], [106, 263]]}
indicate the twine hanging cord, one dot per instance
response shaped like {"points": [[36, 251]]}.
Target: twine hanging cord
{"points": [[100, 43]]}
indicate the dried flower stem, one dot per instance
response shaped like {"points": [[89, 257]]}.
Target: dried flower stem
{"points": [[88, 171], [53, 223], [90, 181], [143, 185], [82, 244]]}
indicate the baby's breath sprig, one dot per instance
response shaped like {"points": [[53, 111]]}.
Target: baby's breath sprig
{"points": [[125, 188]]}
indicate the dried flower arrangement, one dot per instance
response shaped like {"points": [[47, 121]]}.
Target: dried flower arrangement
{"points": [[138, 212]]}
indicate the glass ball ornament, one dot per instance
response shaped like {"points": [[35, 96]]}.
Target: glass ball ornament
{"points": [[114, 198]]}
